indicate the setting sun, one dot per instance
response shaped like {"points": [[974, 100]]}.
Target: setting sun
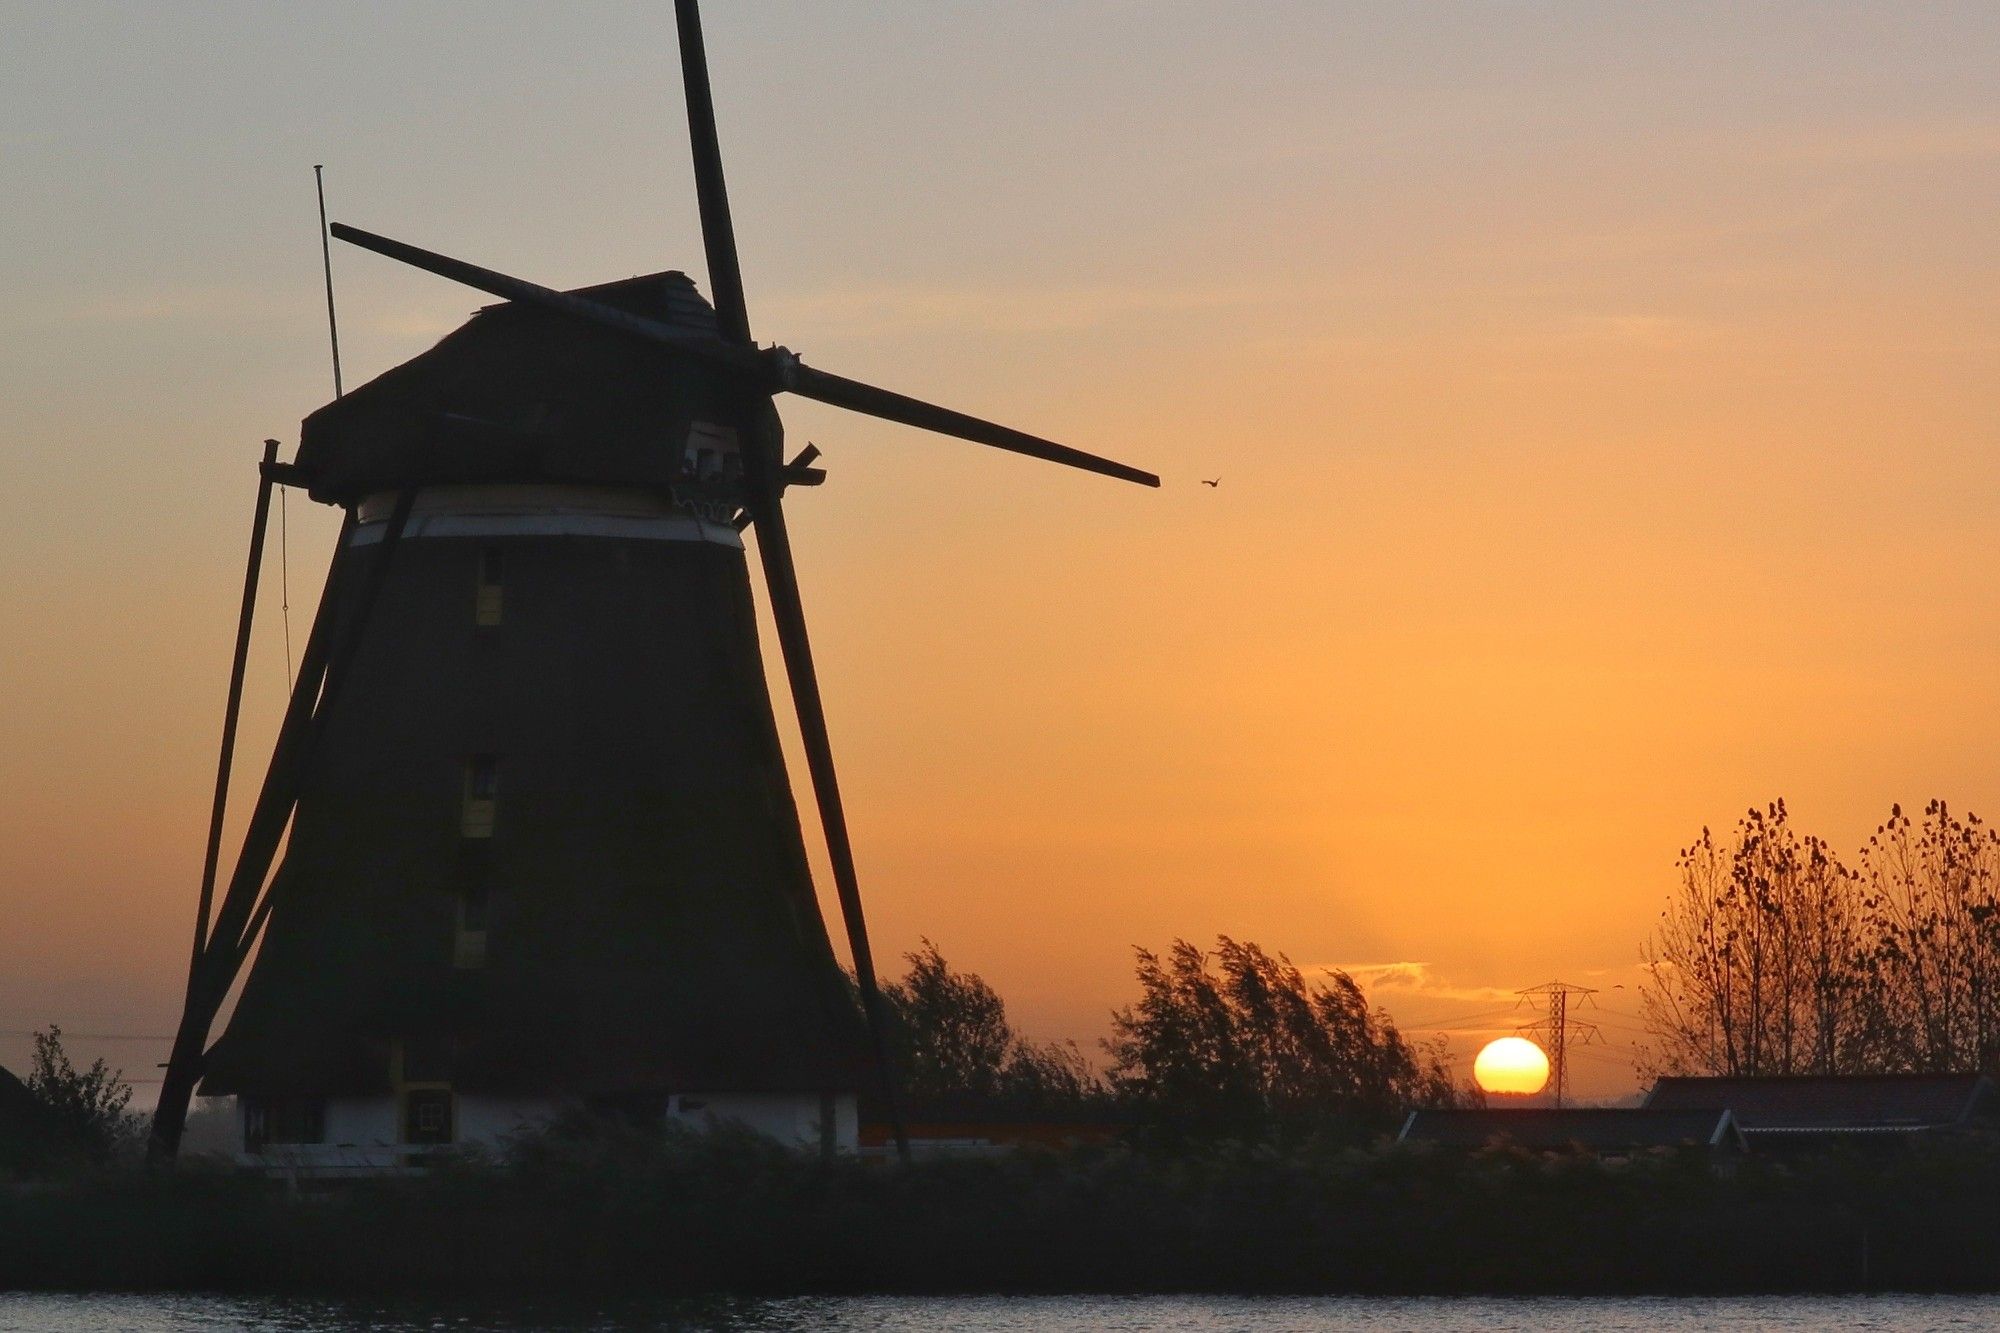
{"points": [[1511, 1065]]}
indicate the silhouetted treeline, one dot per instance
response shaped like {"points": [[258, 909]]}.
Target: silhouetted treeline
{"points": [[957, 1053], [598, 1210], [1776, 957], [1237, 1041], [1229, 1042]]}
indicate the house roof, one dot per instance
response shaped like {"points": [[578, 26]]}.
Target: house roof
{"points": [[1845, 1103], [19, 1109], [1597, 1129], [26, 1126]]}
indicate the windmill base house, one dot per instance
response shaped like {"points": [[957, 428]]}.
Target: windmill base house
{"points": [[336, 1137]]}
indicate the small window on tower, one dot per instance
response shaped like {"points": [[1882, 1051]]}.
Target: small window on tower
{"points": [[427, 1115], [482, 789], [486, 599], [469, 946], [472, 908]]}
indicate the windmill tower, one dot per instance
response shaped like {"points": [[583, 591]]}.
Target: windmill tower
{"points": [[534, 841]]}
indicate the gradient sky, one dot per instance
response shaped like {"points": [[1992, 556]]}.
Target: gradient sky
{"points": [[1604, 399]]}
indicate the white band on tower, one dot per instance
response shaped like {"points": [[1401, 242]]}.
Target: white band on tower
{"points": [[511, 510]]}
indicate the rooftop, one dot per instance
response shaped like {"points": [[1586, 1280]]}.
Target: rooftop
{"points": [[1827, 1102], [1597, 1129]]}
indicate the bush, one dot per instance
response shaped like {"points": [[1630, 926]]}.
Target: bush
{"points": [[86, 1108]]}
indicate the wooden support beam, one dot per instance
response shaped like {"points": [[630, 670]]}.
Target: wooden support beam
{"points": [[232, 709], [184, 1062], [339, 662], [245, 906]]}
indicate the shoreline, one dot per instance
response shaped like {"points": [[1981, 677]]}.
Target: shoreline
{"points": [[660, 1219]]}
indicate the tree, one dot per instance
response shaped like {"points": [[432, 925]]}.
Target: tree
{"points": [[1237, 1042], [86, 1107], [951, 1029], [952, 1042], [1774, 958], [1759, 963], [1933, 901]]}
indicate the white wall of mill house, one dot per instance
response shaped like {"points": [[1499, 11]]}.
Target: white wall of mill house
{"points": [[786, 1118], [363, 1134]]}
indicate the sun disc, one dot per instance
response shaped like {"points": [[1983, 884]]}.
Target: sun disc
{"points": [[1511, 1065]]}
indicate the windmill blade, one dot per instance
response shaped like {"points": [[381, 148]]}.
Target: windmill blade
{"points": [[718, 232], [770, 368], [797, 377], [781, 577], [729, 356]]}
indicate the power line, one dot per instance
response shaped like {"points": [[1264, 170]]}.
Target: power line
{"points": [[1601, 1057], [87, 1036], [1444, 1021]]}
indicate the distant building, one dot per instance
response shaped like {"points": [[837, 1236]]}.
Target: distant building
{"points": [[1812, 1110], [983, 1126], [1601, 1131], [984, 1138]]}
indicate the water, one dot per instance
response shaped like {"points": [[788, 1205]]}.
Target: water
{"points": [[998, 1314]]}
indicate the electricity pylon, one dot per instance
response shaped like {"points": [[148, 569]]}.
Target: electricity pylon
{"points": [[1557, 1031]]}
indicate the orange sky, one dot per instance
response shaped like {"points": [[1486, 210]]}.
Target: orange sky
{"points": [[1604, 404]]}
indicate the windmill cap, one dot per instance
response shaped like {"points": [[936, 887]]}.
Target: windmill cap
{"points": [[521, 394]]}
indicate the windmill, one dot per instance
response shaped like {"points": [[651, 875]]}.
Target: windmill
{"points": [[533, 837]]}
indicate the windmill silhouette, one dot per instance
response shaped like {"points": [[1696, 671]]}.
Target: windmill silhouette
{"points": [[537, 840]]}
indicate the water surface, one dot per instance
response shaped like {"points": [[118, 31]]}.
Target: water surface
{"points": [[1003, 1314]]}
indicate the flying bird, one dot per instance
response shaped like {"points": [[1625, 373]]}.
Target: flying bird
{"points": [[1206, 482]]}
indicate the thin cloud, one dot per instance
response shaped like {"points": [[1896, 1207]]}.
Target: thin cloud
{"points": [[1701, 241], [878, 311], [1894, 144], [237, 307], [1404, 979], [1655, 331], [206, 305], [413, 324]]}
